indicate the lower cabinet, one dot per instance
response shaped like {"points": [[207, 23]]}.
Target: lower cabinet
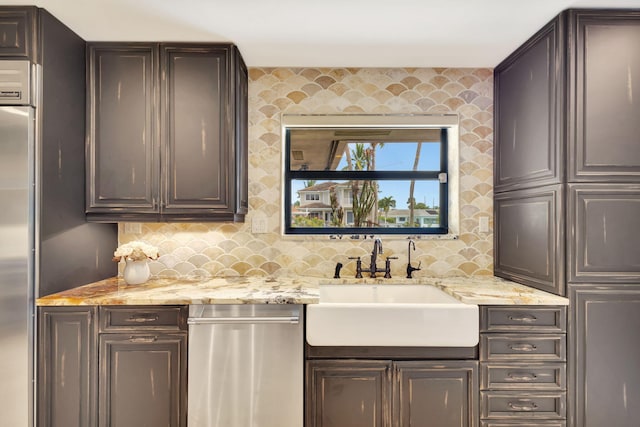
{"points": [[384, 393], [523, 355], [439, 394], [67, 367], [112, 366], [140, 379], [605, 348]]}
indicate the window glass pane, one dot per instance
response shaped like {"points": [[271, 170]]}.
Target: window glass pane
{"points": [[365, 203], [392, 150]]}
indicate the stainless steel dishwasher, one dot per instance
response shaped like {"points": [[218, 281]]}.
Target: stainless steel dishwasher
{"points": [[246, 365]]}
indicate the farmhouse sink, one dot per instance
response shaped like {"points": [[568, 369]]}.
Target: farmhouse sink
{"points": [[390, 315]]}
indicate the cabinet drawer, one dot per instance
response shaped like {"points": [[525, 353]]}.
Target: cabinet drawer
{"points": [[519, 376], [532, 405], [165, 318], [525, 319], [519, 347], [523, 423]]}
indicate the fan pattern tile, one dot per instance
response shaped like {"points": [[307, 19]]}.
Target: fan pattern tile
{"points": [[205, 249]]}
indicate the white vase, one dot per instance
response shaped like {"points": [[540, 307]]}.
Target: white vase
{"points": [[136, 272]]}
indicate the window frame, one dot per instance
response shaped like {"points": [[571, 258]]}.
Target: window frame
{"points": [[442, 122]]}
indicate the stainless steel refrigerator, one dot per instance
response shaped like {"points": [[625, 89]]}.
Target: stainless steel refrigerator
{"points": [[45, 243]]}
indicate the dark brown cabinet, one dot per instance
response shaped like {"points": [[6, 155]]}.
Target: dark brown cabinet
{"points": [[348, 393], [67, 367], [141, 376], [606, 347], [529, 237], [18, 32], [604, 245], [167, 137], [523, 355], [436, 394], [597, 60], [597, 142], [529, 161], [381, 393], [604, 131], [123, 153], [528, 114], [570, 65], [119, 366]]}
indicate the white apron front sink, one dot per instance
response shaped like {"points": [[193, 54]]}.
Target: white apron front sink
{"points": [[390, 315]]}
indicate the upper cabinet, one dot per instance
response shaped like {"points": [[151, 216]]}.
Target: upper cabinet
{"points": [[567, 99], [167, 132], [567, 132], [528, 114], [123, 142], [604, 132], [17, 32]]}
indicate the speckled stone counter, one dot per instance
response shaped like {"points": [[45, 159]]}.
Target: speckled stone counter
{"points": [[283, 290]]}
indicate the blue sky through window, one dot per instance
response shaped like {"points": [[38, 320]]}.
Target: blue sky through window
{"points": [[399, 156]]}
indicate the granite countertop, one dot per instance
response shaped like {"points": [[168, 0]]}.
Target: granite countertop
{"points": [[284, 290]]}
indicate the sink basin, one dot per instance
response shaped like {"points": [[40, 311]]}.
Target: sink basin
{"points": [[390, 315]]}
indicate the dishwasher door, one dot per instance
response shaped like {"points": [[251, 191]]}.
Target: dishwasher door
{"points": [[246, 366]]}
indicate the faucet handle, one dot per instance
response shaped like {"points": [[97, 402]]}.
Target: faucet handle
{"points": [[358, 266], [387, 267], [411, 269]]}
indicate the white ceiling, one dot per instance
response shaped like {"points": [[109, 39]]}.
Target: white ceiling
{"points": [[328, 33]]}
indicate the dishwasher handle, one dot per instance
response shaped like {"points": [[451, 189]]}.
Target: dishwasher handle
{"points": [[293, 320]]}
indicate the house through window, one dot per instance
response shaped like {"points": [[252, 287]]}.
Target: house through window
{"points": [[382, 180]]}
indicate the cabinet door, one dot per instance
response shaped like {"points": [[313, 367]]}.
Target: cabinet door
{"points": [[354, 393], [528, 89], [605, 346], [143, 380], [436, 394], [605, 141], [197, 136], [529, 237], [67, 369], [17, 32], [603, 244], [122, 157]]}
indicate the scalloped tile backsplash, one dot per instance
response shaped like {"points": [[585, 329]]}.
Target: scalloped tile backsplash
{"points": [[210, 249]]}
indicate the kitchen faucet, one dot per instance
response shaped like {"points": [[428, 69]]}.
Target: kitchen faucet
{"points": [[410, 268], [373, 268], [377, 249]]}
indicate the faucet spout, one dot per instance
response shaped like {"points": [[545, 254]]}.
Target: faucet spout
{"points": [[377, 250], [410, 268]]}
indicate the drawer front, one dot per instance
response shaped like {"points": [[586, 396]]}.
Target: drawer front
{"points": [[524, 376], [523, 423], [533, 405], [520, 347], [128, 318], [523, 319]]}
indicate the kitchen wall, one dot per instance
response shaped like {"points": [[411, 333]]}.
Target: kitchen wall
{"points": [[206, 249]]}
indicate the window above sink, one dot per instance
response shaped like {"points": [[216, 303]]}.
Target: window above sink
{"points": [[370, 174]]}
